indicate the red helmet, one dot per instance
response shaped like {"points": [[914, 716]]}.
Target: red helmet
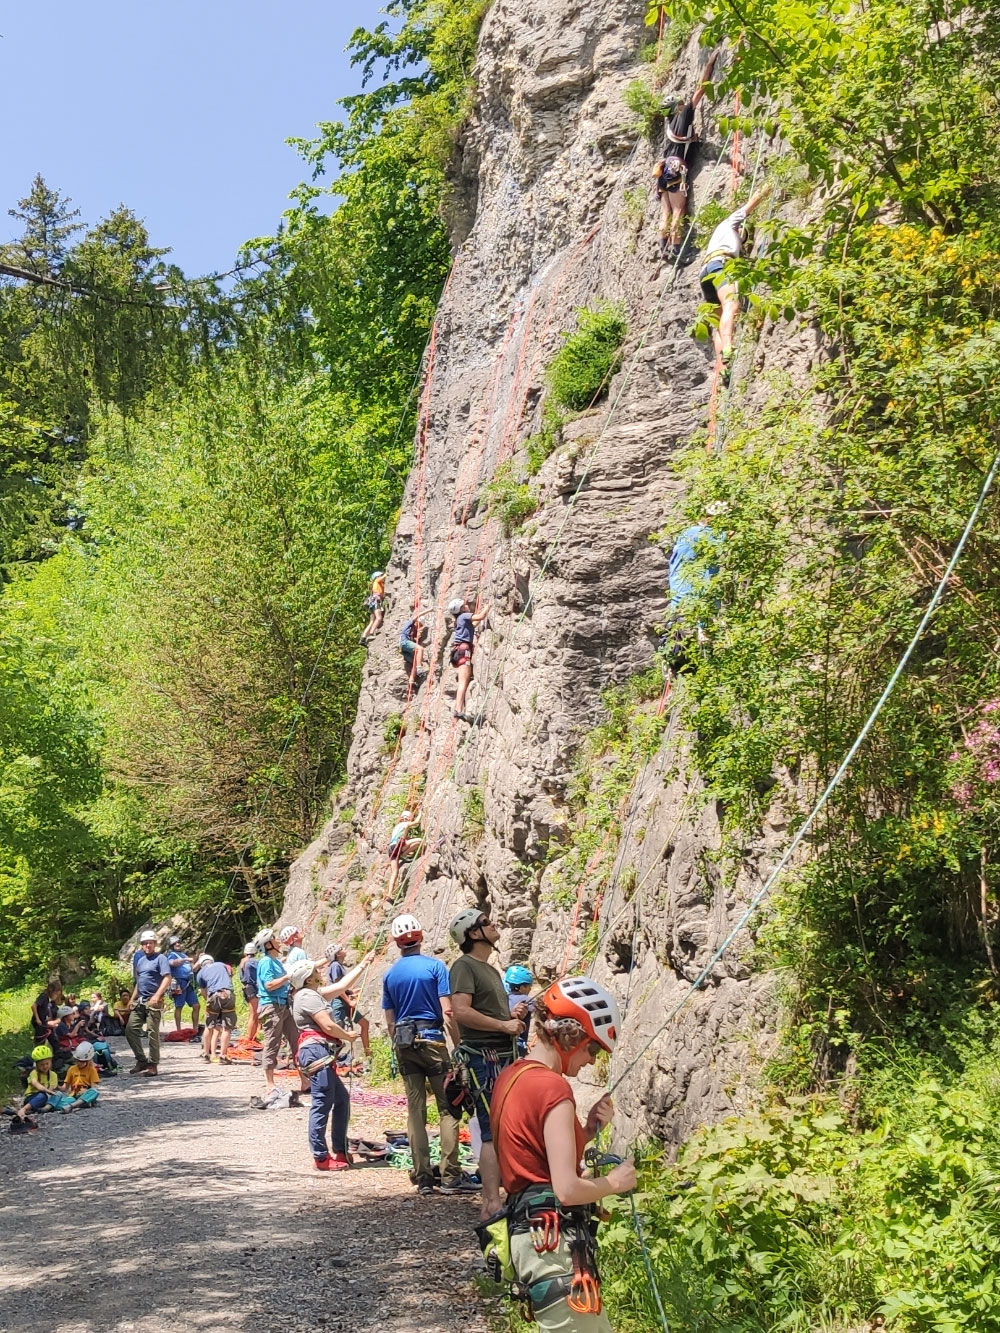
{"points": [[594, 1008], [406, 930]]}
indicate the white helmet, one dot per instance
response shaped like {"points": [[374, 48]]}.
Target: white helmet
{"points": [[594, 1008], [407, 815], [204, 958], [146, 936], [287, 933], [468, 919], [406, 930], [300, 972], [264, 936], [84, 1051], [455, 606], [331, 951], [249, 948]]}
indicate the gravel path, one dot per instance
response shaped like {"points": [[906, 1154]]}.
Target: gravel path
{"points": [[174, 1206]]}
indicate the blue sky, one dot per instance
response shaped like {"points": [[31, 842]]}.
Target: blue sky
{"points": [[177, 108]]}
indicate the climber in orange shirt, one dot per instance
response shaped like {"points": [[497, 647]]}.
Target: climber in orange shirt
{"points": [[374, 604]]}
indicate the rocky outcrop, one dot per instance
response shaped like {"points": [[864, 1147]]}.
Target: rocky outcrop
{"points": [[553, 209]]}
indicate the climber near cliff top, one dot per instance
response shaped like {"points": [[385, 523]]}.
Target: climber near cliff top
{"points": [[374, 603], [671, 171], [539, 1143], [462, 645], [726, 243]]}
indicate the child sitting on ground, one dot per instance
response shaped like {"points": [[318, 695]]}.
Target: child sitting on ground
{"points": [[124, 1007], [82, 1079], [43, 1083]]}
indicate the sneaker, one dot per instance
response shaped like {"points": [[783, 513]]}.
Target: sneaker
{"points": [[150, 1071], [139, 1067], [425, 1187], [463, 1185], [323, 1163], [339, 1162], [195, 1040]]}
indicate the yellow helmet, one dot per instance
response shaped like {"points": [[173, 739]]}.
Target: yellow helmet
{"points": [[41, 1053]]}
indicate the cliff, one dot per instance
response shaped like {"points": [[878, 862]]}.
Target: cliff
{"points": [[553, 210]]}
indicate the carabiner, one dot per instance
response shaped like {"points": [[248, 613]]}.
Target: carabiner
{"points": [[544, 1228], [585, 1294]]}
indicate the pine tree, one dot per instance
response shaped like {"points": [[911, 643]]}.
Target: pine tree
{"points": [[48, 222]]}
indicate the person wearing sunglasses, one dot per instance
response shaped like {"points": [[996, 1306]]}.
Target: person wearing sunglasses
{"points": [[488, 1029]]}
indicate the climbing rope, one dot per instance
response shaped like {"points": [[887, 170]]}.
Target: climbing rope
{"points": [[758, 899]]}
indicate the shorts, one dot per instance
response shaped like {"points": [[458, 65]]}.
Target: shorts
{"points": [[664, 186], [374, 603], [186, 995], [484, 1069], [408, 648], [249, 994], [221, 1010], [707, 278], [396, 849], [460, 654]]}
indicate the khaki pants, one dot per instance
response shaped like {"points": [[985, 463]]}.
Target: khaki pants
{"points": [[532, 1267], [276, 1021], [422, 1063], [133, 1033]]}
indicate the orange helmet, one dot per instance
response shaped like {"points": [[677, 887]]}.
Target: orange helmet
{"points": [[594, 1008]]}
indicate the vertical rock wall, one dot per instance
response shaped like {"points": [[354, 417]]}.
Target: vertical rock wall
{"points": [[553, 208]]}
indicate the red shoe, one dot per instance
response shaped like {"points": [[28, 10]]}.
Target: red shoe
{"points": [[323, 1163], [339, 1162]]}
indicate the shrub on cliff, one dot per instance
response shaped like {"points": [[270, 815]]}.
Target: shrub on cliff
{"points": [[581, 370]]}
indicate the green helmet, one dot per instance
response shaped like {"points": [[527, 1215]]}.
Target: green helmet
{"points": [[41, 1053]]}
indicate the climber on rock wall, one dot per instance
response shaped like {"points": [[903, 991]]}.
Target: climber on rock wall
{"points": [[375, 606], [693, 564], [717, 287], [409, 646], [401, 847], [462, 646], [671, 171]]}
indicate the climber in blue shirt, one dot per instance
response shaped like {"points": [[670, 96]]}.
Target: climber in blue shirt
{"points": [[693, 565]]}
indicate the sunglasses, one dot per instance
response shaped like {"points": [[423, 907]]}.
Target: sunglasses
{"points": [[594, 1048]]}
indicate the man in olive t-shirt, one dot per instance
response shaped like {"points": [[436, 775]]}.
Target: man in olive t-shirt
{"points": [[487, 1027]]}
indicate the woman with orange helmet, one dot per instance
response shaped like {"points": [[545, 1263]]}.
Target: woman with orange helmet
{"points": [[539, 1144]]}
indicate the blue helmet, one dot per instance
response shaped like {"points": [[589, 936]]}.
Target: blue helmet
{"points": [[517, 976]]}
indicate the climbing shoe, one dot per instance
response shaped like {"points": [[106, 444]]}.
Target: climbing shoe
{"points": [[460, 717]]}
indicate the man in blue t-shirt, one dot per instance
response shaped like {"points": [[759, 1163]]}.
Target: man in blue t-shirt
{"points": [[276, 1021], [152, 979], [183, 990], [215, 981], [416, 999]]}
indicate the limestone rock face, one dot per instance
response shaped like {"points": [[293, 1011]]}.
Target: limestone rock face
{"points": [[553, 208]]}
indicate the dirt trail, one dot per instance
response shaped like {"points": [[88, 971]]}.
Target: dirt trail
{"points": [[173, 1205]]}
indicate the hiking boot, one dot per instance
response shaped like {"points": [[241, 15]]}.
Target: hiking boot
{"points": [[463, 1185], [139, 1067], [150, 1071]]}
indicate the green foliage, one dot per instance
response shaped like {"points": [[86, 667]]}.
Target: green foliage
{"points": [[382, 1063], [473, 815], [510, 501], [805, 1215], [648, 108], [391, 732], [15, 1034], [581, 370], [545, 441], [208, 472]]}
